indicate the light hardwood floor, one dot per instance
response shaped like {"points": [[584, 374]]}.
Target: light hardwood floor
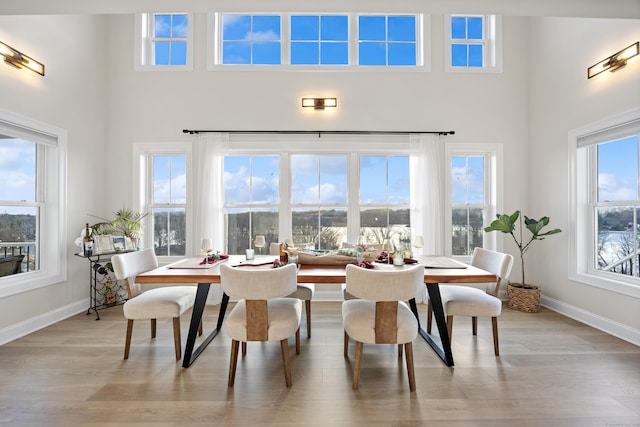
{"points": [[553, 371]]}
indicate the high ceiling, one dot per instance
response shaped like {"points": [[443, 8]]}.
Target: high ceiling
{"points": [[564, 8]]}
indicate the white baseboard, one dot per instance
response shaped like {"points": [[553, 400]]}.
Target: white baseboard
{"points": [[28, 326], [609, 326]]}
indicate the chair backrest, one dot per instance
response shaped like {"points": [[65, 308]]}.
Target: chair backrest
{"points": [[385, 285], [256, 283], [494, 262], [128, 265]]}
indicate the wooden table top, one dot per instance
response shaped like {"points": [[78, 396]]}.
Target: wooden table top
{"points": [[190, 271]]}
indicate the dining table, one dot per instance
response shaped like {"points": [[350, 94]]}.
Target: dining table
{"points": [[190, 271]]}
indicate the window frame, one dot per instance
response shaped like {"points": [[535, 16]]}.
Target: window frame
{"points": [[244, 144], [251, 207], [493, 185], [143, 190], [582, 185], [144, 50], [492, 41], [214, 46], [52, 227]]}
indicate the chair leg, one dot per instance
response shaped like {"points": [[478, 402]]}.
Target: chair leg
{"points": [[346, 344], [233, 361], [356, 365], [450, 327], [284, 346], [429, 316], [127, 342], [298, 340], [496, 346], [176, 337], [153, 328], [408, 347], [474, 325], [307, 308], [244, 348], [400, 350]]}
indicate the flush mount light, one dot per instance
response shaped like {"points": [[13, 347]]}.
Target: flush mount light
{"points": [[20, 60], [319, 103], [615, 62]]}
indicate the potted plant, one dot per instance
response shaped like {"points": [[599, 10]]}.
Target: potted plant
{"points": [[522, 296], [127, 223]]}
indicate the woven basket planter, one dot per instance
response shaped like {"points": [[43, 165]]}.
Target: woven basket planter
{"points": [[523, 299]]}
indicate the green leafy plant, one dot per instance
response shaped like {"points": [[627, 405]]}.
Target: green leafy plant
{"points": [[507, 224], [126, 223]]}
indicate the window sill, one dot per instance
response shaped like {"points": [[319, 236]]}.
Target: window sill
{"points": [[607, 284]]}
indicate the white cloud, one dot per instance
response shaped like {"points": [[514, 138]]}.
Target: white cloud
{"points": [[614, 188]]}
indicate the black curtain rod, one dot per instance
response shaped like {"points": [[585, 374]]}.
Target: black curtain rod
{"points": [[319, 132]]}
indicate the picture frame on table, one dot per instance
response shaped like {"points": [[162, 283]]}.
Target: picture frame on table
{"points": [[102, 244], [128, 244], [119, 243]]}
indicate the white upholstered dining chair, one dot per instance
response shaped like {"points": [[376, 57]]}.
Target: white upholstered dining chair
{"points": [[379, 314], [304, 291], [459, 300], [158, 303], [264, 312]]}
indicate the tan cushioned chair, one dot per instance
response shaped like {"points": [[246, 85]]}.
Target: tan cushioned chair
{"points": [[380, 315]]}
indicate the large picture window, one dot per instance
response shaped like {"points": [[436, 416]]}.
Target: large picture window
{"points": [[309, 41], [468, 204], [384, 200], [169, 204], [251, 201], [617, 206], [319, 200], [474, 181], [33, 240], [605, 204]]}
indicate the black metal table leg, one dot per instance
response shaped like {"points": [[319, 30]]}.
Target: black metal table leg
{"points": [[191, 354], [444, 349]]}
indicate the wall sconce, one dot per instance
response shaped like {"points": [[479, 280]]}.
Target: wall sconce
{"points": [[319, 103], [615, 62], [20, 60]]}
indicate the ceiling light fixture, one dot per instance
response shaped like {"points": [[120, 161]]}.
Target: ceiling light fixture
{"points": [[615, 62], [20, 60], [319, 103]]}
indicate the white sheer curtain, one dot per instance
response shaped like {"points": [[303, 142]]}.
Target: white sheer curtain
{"points": [[208, 196], [426, 164], [427, 191]]}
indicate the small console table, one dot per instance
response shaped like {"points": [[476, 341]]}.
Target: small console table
{"points": [[104, 289]]}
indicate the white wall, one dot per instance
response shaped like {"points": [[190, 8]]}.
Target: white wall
{"points": [[157, 106], [563, 99], [71, 96]]}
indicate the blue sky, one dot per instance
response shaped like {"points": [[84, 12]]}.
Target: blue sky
{"points": [[618, 170], [316, 179], [467, 184], [617, 179], [319, 39], [17, 166]]}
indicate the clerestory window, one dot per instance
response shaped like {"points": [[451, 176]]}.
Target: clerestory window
{"points": [[473, 43], [164, 42]]}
